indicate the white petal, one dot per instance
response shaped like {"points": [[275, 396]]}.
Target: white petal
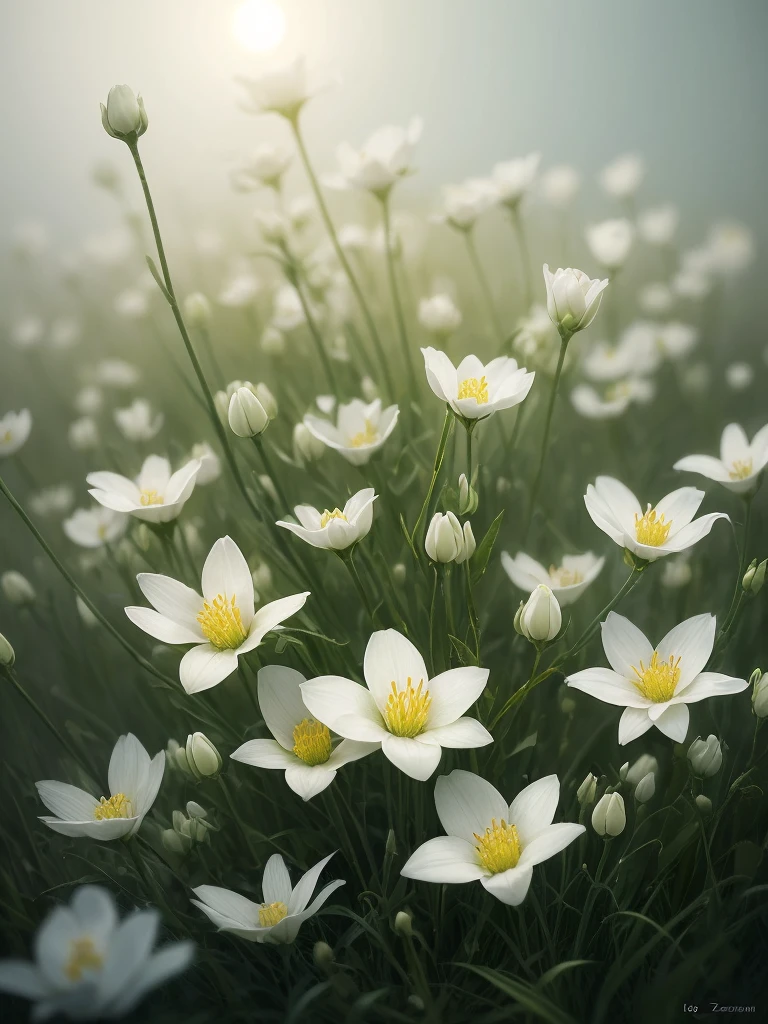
{"points": [[162, 965], [307, 781], [679, 507], [674, 722], [65, 801], [105, 830], [349, 750], [624, 644], [172, 599], [464, 734], [204, 667], [534, 807], [280, 701], [704, 465], [391, 657], [634, 723], [511, 887], [452, 692], [692, 533], [444, 859], [21, 978], [691, 641], [128, 767], [467, 803], [608, 686], [276, 883], [330, 698], [228, 904], [226, 572], [265, 754], [734, 445], [271, 615], [162, 628], [548, 842], [305, 886], [621, 501], [416, 759], [711, 684]]}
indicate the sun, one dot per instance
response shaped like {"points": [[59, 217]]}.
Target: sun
{"points": [[259, 25]]}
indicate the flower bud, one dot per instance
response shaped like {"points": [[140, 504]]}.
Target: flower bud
{"points": [[760, 693], [7, 653], [705, 756], [247, 416], [16, 588], [573, 299], [306, 447], [623, 771], [468, 499], [643, 765], [197, 310], [203, 758], [517, 621], [124, 115], [645, 788], [368, 389], [445, 538], [267, 399], [322, 954], [390, 847], [469, 543], [399, 573], [585, 794], [609, 817], [175, 843], [403, 924], [704, 804], [541, 619], [754, 577]]}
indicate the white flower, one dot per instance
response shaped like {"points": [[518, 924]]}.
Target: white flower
{"points": [[285, 908], [615, 400], [52, 500], [466, 202], [655, 685], [336, 530], [94, 527], [489, 840], [27, 332], [382, 161], [610, 242], [658, 225], [439, 315], [306, 447], [705, 756], [540, 618], [124, 113], [282, 90], [739, 376], [656, 297], [210, 464], [287, 310], [83, 434], [475, 391], [156, 496], [447, 540], [133, 779], [89, 965], [622, 178], [264, 168], [677, 571], [136, 422], [692, 284], [16, 588], [609, 818], [675, 339], [514, 178], [240, 290], [663, 529], [730, 248], [560, 184], [361, 429], [247, 416], [573, 299], [302, 747], [223, 623], [567, 581], [740, 464], [14, 431], [411, 716], [89, 401], [117, 373]]}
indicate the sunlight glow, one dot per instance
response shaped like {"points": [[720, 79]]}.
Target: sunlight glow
{"points": [[259, 25]]}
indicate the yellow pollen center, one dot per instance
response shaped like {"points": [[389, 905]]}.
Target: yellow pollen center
{"points": [[406, 710], [312, 742], [327, 516], [498, 847], [221, 623], [82, 957], [271, 914], [474, 388], [369, 435], [562, 577], [117, 806], [741, 469], [7, 436], [657, 682], [617, 391], [151, 497], [651, 528]]}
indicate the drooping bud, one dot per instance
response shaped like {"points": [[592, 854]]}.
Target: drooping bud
{"points": [[322, 954], [16, 588], [704, 805], [404, 924]]}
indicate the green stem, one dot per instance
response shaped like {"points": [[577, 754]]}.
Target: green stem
{"points": [[348, 560], [295, 280], [485, 288], [396, 302], [525, 256], [258, 441], [448, 423]]}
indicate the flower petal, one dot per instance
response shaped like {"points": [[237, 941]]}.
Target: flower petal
{"points": [[452, 692], [66, 802], [276, 883], [331, 698], [204, 667], [271, 615], [711, 684], [445, 859], [226, 572], [550, 841], [463, 734], [305, 886], [624, 644], [691, 641], [673, 722], [634, 723], [307, 781], [511, 887], [467, 803], [173, 599], [534, 807], [280, 701], [162, 628], [391, 657], [265, 754], [608, 686], [416, 759]]}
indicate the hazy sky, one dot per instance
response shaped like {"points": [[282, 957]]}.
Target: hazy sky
{"points": [[684, 82]]}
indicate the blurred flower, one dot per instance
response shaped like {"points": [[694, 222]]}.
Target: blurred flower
{"points": [[614, 401], [247, 416], [156, 496], [136, 422], [573, 299], [656, 297], [272, 341], [610, 242], [203, 759], [117, 373], [644, 765], [540, 618], [676, 339], [623, 177], [655, 685], [306, 447], [609, 817], [90, 966], [677, 571], [740, 464], [439, 315], [381, 162], [94, 527], [475, 391], [336, 530], [89, 401], [412, 716], [730, 247], [536, 339], [273, 225], [223, 624], [64, 333], [15, 428], [124, 116], [52, 500], [705, 756], [278, 919], [27, 332], [134, 780], [132, 303], [83, 434], [658, 225], [447, 541], [281, 90], [16, 588], [739, 376], [692, 284], [197, 310], [240, 290], [264, 168], [513, 178], [567, 581], [210, 463], [663, 529], [560, 184], [287, 309], [489, 840], [301, 746], [360, 429], [466, 202]]}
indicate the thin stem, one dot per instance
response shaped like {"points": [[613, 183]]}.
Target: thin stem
{"points": [[258, 441], [348, 560], [448, 423], [295, 280], [525, 256], [485, 288], [396, 302]]}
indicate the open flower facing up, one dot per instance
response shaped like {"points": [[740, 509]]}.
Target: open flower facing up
{"points": [[412, 716], [740, 464], [281, 90], [384, 159], [95, 527], [223, 623], [156, 496], [336, 530], [360, 429], [567, 581], [302, 747], [475, 391], [285, 908], [573, 298], [655, 685], [91, 966], [489, 840], [14, 431], [137, 423], [134, 780], [662, 529]]}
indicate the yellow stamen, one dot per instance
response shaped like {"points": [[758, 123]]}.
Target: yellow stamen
{"points": [[151, 497], [406, 711], [116, 806], [312, 742], [499, 847], [327, 516], [82, 957], [271, 914], [369, 435], [221, 623], [562, 577], [7, 436], [474, 388], [741, 469], [651, 528], [657, 682], [616, 391]]}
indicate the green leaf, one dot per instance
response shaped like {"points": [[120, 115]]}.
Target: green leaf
{"points": [[523, 994], [158, 279], [466, 656], [482, 555]]}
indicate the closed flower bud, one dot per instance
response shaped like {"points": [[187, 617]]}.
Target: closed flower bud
{"points": [[403, 924], [573, 299], [203, 758], [517, 621], [469, 543], [16, 588], [541, 618], [754, 577], [197, 310], [267, 399], [124, 116], [445, 538], [468, 499], [175, 843], [585, 794], [760, 694], [623, 771], [643, 765], [399, 573], [322, 954], [390, 847], [7, 653], [247, 416], [645, 788], [609, 817], [704, 805], [705, 756]]}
